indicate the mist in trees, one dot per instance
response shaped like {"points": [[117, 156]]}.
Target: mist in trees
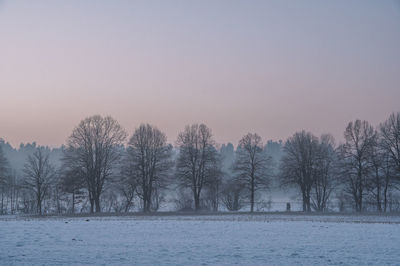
{"points": [[100, 169]]}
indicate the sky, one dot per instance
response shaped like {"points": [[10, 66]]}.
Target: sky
{"points": [[270, 67]]}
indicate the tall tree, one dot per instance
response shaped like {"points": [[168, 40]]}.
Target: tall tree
{"points": [[39, 175], [94, 148], [299, 164], [390, 138], [377, 178], [4, 177], [355, 157], [4, 167], [252, 166], [149, 158], [388, 178], [325, 177], [197, 162]]}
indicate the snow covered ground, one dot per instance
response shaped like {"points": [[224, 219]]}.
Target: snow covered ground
{"points": [[201, 240]]}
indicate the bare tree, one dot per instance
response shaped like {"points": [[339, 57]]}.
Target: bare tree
{"points": [[232, 196], [4, 177], [388, 178], [390, 138], [127, 183], [252, 166], [213, 189], [325, 177], [39, 174], [4, 167], [355, 157], [149, 159], [197, 162], [377, 177], [299, 164], [94, 147]]}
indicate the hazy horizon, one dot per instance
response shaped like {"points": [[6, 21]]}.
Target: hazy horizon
{"points": [[270, 67]]}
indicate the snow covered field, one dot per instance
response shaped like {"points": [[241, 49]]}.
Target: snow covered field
{"points": [[201, 240]]}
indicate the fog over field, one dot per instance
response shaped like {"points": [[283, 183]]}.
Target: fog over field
{"points": [[225, 132]]}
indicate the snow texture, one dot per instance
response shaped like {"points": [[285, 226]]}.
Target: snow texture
{"points": [[201, 240]]}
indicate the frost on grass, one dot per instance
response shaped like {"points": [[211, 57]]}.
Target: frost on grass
{"points": [[188, 240]]}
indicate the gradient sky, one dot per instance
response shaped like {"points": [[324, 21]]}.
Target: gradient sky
{"points": [[271, 67]]}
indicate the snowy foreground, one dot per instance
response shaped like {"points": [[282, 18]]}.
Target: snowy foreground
{"points": [[201, 240]]}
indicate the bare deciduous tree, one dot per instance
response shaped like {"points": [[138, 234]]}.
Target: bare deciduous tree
{"points": [[299, 164], [232, 196], [390, 138], [94, 147], [149, 159], [197, 162], [388, 178], [39, 175], [355, 157], [4, 167], [4, 177], [324, 181], [252, 166], [127, 184], [213, 188]]}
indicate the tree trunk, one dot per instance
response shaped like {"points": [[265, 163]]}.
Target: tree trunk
{"points": [[378, 200], [196, 202], [359, 202], [385, 197], [378, 192], [73, 202], [252, 194], [39, 202], [97, 202], [148, 200], [91, 205], [2, 202]]}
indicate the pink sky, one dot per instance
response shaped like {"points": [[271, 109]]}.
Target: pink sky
{"points": [[271, 67]]}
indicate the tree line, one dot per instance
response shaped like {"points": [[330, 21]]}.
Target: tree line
{"points": [[105, 169]]}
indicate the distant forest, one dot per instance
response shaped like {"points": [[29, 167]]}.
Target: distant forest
{"points": [[102, 168]]}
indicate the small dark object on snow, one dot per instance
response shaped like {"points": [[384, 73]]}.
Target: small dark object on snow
{"points": [[288, 207], [87, 220]]}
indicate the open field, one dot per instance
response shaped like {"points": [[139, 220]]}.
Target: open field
{"points": [[183, 239]]}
